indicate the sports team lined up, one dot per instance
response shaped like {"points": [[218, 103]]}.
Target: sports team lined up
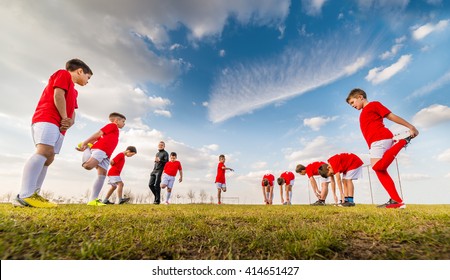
{"points": [[55, 114]]}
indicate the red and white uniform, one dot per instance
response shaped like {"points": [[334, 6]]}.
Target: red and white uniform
{"points": [[269, 178], [288, 177], [46, 110], [109, 140], [312, 169], [345, 162], [116, 169], [220, 177], [171, 168], [371, 122]]}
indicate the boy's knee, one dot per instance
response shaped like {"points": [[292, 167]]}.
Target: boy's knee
{"points": [[87, 166]]}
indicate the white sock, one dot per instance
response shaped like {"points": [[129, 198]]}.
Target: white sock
{"points": [[86, 155], [168, 196], [97, 187], [31, 172], [290, 196], [268, 195], [41, 178]]}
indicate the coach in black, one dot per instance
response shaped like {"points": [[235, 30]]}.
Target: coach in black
{"points": [[161, 158]]}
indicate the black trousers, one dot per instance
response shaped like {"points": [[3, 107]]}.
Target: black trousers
{"points": [[154, 185]]}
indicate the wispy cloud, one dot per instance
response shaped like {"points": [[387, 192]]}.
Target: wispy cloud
{"points": [[427, 89], [316, 123], [432, 116], [250, 85], [379, 74], [313, 7], [394, 50], [423, 31], [444, 156]]}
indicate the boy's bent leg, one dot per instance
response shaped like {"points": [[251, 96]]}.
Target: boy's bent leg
{"points": [[389, 156], [388, 184]]}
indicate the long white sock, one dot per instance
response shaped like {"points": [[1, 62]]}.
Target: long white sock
{"points": [[97, 187], [31, 172], [41, 178], [168, 196], [290, 196], [268, 195], [86, 155]]}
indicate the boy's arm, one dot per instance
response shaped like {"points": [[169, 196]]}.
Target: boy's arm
{"points": [[314, 186], [91, 139], [60, 103], [181, 176], [394, 118]]}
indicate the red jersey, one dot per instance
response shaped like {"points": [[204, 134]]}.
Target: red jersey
{"points": [[119, 161], [312, 169], [269, 178], [344, 162], [109, 139], [288, 176], [171, 168], [220, 177], [46, 109], [371, 122]]}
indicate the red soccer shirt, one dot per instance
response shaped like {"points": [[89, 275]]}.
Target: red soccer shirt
{"points": [[171, 168], [46, 109], [344, 162], [119, 161], [220, 177], [312, 168], [270, 178], [288, 177], [371, 122], [109, 139]]}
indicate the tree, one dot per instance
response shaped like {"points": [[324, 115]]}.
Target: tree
{"points": [[191, 195], [203, 196]]}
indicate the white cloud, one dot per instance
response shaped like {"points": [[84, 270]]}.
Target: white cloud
{"points": [[222, 53], [163, 113], [414, 176], [427, 89], [379, 74], [392, 52], [432, 116], [316, 123], [313, 7], [444, 156], [313, 150], [423, 31], [205, 104], [259, 165]]}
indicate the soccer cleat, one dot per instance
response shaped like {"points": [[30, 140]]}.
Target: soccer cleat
{"points": [[318, 203], [219, 203], [167, 203], [124, 200], [18, 202], [348, 204], [96, 202], [35, 200], [392, 204], [106, 201], [80, 145]]}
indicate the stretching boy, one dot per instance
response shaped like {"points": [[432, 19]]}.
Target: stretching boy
{"points": [[220, 178], [168, 177], [104, 142], [286, 178], [350, 165], [379, 139], [312, 170], [114, 179], [54, 115], [267, 188]]}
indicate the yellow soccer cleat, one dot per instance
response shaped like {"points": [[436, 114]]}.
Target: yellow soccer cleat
{"points": [[81, 144], [96, 202], [37, 201]]}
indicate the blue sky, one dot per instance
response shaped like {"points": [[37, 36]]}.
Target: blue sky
{"points": [[263, 82]]}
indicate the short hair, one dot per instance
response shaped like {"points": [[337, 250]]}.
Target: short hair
{"points": [[116, 115], [299, 168], [132, 149], [265, 182], [173, 154], [323, 170], [75, 64], [280, 181], [221, 156], [356, 92]]}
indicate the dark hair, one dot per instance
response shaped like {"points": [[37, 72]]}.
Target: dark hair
{"points": [[356, 92], [280, 181], [221, 156], [265, 182], [173, 154], [75, 64], [132, 149], [299, 168], [323, 170], [117, 115]]}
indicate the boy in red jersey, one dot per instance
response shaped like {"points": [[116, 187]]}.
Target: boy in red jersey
{"points": [[114, 179], [54, 115], [312, 170], [220, 178], [379, 139], [267, 188], [286, 178], [168, 177], [350, 165], [104, 142]]}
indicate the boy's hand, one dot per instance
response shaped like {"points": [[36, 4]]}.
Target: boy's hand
{"points": [[66, 123], [180, 180]]}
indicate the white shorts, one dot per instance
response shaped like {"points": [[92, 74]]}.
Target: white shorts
{"points": [[324, 180], [113, 180], [378, 148], [353, 174], [101, 157], [221, 186], [47, 134], [292, 182], [167, 180]]}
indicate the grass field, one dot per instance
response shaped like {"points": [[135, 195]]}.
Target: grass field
{"points": [[205, 232]]}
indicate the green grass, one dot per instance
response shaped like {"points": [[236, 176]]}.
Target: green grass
{"points": [[255, 232]]}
